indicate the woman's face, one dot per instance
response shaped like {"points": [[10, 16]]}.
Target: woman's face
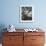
{"points": [[26, 11]]}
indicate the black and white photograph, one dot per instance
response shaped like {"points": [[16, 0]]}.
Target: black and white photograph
{"points": [[26, 13]]}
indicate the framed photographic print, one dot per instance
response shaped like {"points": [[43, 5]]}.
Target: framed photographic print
{"points": [[26, 13]]}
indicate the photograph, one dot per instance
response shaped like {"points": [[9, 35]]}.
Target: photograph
{"points": [[26, 13]]}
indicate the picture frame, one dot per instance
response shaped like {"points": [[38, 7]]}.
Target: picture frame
{"points": [[26, 13]]}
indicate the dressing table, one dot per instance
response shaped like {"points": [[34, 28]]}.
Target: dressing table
{"points": [[22, 38]]}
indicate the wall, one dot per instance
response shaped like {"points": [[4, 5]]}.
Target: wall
{"points": [[9, 13]]}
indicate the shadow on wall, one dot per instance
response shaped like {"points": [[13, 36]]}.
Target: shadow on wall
{"points": [[2, 26]]}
